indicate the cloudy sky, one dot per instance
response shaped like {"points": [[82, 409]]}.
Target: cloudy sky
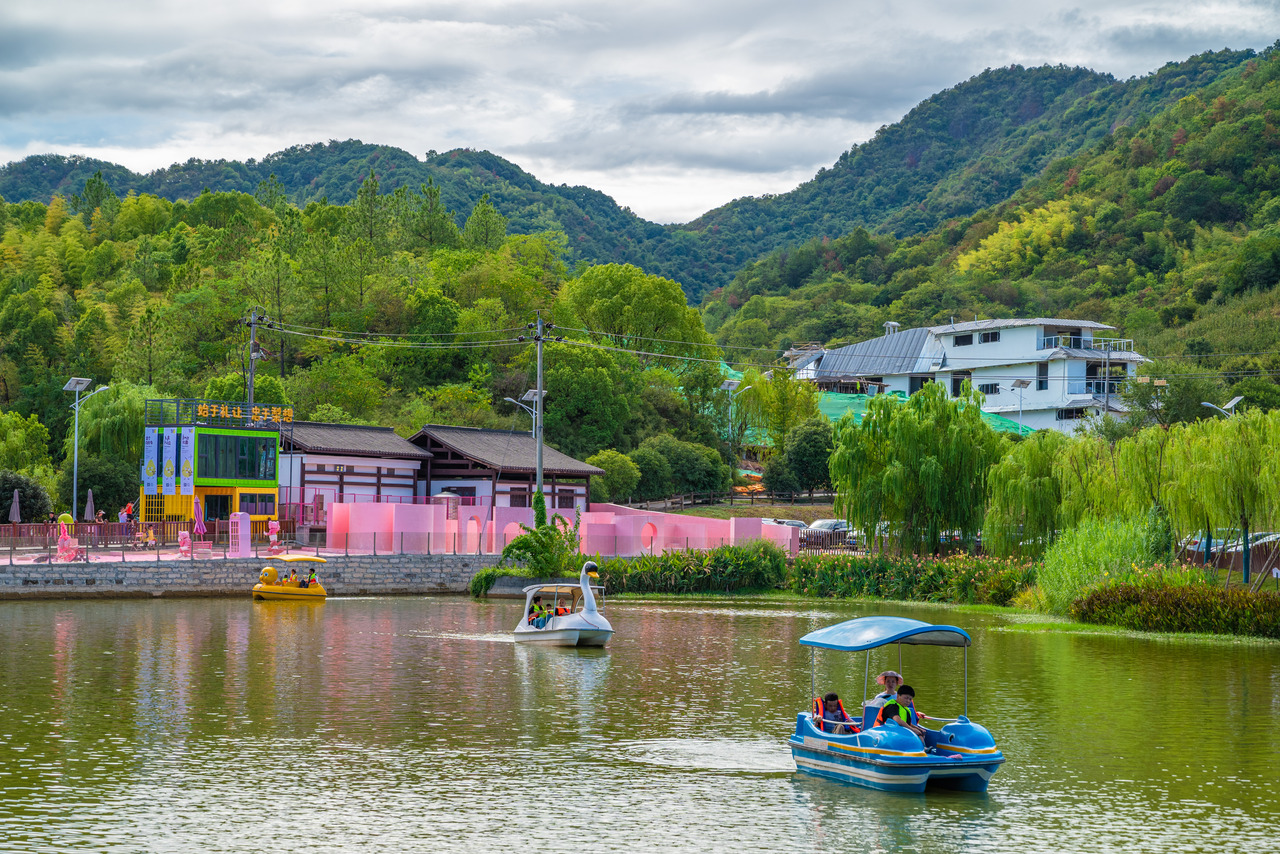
{"points": [[670, 107]]}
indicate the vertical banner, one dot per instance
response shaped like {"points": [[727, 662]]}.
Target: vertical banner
{"points": [[188, 458], [149, 441], [170, 471]]}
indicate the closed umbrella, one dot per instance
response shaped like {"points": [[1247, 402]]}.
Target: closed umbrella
{"points": [[88, 507], [199, 528], [14, 515]]}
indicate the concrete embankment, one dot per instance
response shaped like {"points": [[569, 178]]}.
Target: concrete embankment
{"points": [[355, 575]]}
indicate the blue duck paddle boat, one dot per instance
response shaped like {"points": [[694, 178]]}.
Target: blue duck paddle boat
{"points": [[888, 756]]}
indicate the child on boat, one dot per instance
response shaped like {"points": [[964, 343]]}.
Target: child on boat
{"points": [[834, 718]]}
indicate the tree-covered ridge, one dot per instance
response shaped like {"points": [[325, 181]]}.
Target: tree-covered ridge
{"points": [[960, 150], [1169, 229]]}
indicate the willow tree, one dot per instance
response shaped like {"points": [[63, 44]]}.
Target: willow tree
{"points": [[111, 422], [776, 403], [1086, 472], [1024, 497], [1187, 495], [1233, 474], [918, 465]]}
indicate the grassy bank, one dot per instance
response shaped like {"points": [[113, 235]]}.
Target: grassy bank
{"points": [[807, 513]]}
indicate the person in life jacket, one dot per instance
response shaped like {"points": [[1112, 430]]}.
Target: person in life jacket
{"points": [[311, 578], [537, 613], [293, 577], [562, 610], [832, 717]]}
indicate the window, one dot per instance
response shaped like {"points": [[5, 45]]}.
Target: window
{"points": [[1042, 376], [989, 388], [917, 383], [1073, 414], [957, 382], [236, 457], [962, 340], [564, 501], [519, 499], [257, 504], [989, 337]]}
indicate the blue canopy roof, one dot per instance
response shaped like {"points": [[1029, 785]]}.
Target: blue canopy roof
{"points": [[871, 632]]}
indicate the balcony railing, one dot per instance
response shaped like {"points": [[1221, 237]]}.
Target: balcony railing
{"points": [[1084, 342], [1094, 387]]}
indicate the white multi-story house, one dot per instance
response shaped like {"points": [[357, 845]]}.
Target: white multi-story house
{"points": [[1043, 372]]}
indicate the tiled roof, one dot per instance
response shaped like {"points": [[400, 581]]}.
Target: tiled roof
{"points": [[503, 450], [352, 439]]}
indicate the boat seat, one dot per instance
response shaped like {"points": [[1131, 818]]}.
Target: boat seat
{"points": [[869, 714]]}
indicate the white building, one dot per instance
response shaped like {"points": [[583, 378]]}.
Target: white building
{"points": [[1043, 372]]}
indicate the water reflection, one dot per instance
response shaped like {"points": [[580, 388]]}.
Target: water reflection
{"points": [[416, 723]]}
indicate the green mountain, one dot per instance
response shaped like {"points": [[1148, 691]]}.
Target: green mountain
{"points": [[958, 152], [1168, 229]]}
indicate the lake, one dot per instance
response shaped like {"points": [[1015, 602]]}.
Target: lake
{"points": [[415, 724]]}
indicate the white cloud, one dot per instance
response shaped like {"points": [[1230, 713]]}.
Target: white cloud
{"points": [[672, 108]]}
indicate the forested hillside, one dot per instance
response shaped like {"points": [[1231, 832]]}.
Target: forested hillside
{"points": [[1168, 229], [959, 151]]}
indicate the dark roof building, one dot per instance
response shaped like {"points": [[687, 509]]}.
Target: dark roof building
{"points": [[499, 466], [351, 440]]}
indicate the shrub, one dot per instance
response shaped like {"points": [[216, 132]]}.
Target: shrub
{"points": [[758, 566], [655, 474], [114, 483], [619, 479], [1170, 607], [959, 578], [33, 501]]}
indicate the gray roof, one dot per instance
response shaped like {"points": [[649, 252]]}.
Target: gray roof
{"points": [[975, 325], [355, 440], [504, 450], [902, 352], [1077, 353]]}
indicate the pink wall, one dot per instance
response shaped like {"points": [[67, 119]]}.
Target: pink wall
{"points": [[605, 529]]}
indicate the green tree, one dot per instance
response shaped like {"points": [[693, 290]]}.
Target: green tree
{"points": [[776, 404], [24, 444], [623, 306], [918, 465], [267, 389], [1024, 497], [586, 405], [655, 474], [33, 500], [429, 224], [808, 453], [342, 380], [486, 228], [620, 477], [1180, 398], [114, 482], [778, 477]]}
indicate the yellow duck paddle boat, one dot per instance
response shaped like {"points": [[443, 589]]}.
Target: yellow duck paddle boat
{"points": [[271, 587]]}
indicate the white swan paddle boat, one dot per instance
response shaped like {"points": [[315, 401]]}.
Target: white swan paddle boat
{"points": [[569, 615], [962, 755]]}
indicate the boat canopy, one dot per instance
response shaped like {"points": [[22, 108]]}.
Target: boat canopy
{"points": [[297, 558], [871, 632], [558, 589]]}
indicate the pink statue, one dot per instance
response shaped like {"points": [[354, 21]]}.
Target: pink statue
{"points": [[184, 544], [273, 536]]}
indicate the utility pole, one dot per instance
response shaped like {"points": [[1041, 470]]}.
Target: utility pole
{"points": [[540, 335], [538, 404], [254, 352]]}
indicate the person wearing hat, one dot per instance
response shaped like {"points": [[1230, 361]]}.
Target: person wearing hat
{"points": [[890, 679]]}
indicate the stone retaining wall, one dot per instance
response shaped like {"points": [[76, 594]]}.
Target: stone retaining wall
{"points": [[357, 575]]}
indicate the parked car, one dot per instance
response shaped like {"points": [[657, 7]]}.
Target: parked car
{"points": [[794, 523], [826, 533]]}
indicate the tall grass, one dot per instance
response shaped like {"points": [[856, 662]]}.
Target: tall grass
{"points": [[1092, 553]]}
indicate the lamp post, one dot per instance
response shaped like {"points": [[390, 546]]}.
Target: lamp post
{"points": [[1228, 410], [77, 384], [533, 431], [731, 386], [1020, 385], [537, 394]]}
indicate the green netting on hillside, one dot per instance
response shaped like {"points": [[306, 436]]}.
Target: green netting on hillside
{"points": [[835, 405]]}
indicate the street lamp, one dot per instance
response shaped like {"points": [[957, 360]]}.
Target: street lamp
{"points": [[1227, 410], [78, 384], [533, 431], [1020, 385]]}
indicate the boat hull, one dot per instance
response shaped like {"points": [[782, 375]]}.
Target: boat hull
{"points": [[572, 630], [280, 593], [891, 759]]}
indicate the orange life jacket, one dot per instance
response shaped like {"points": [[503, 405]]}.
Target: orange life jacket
{"points": [[823, 723]]}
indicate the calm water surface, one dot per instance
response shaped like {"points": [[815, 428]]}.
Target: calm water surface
{"points": [[417, 725]]}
